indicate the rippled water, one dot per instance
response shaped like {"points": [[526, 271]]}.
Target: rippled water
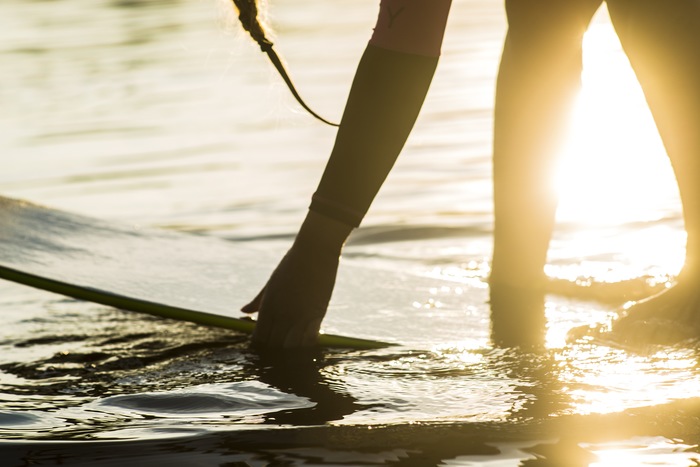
{"points": [[161, 114]]}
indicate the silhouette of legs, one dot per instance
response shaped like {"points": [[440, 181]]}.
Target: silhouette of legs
{"points": [[662, 41], [538, 80], [539, 76]]}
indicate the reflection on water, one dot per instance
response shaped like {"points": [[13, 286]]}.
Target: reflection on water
{"points": [[158, 114], [643, 451]]}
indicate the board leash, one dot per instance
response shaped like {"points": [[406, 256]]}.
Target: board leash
{"points": [[248, 16]]}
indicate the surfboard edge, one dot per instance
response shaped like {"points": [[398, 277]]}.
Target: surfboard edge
{"points": [[138, 305]]}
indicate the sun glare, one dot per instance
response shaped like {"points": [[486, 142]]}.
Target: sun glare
{"points": [[643, 451], [615, 169]]}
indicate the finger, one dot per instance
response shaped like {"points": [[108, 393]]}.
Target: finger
{"points": [[262, 333], [282, 333], [310, 337], [292, 339], [254, 305], [302, 335], [271, 328]]}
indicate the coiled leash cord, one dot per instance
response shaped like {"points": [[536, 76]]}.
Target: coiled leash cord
{"points": [[248, 16]]}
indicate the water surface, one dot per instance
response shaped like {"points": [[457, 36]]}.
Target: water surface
{"points": [[161, 114]]}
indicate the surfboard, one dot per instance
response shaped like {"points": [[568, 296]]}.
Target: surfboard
{"points": [[168, 274]]}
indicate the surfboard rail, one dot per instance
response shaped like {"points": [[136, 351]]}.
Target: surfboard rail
{"points": [[162, 310], [93, 260]]}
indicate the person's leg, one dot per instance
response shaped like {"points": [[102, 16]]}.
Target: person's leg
{"points": [[390, 84], [538, 80], [662, 41]]}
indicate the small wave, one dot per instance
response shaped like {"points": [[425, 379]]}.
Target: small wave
{"points": [[16, 424], [15, 419], [403, 233], [244, 398]]}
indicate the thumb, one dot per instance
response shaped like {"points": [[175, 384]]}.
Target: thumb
{"points": [[254, 305]]}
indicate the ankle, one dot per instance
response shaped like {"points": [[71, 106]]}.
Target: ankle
{"points": [[523, 282]]}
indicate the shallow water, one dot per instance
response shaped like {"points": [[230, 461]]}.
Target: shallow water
{"points": [[161, 114]]}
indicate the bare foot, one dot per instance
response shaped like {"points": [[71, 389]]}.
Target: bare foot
{"points": [[293, 303], [669, 317]]}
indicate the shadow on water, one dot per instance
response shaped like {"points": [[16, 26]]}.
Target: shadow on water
{"points": [[208, 399], [536, 432], [300, 373]]}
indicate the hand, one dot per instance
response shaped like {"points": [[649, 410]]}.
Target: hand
{"points": [[293, 303]]}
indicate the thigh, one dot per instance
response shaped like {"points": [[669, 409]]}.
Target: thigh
{"points": [[550, 19], [662, 41], [667, 23]]}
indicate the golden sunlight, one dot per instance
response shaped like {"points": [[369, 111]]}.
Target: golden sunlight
{"points": [[644, 451], [615, 169], [605, 380]]}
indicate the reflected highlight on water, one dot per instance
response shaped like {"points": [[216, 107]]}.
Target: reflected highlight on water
{"points": [[155, 114]]}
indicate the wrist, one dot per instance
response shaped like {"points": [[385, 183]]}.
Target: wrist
{"points": [[321, 233]]}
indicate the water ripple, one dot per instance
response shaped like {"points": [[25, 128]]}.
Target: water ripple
{"points": [[238, 399]]}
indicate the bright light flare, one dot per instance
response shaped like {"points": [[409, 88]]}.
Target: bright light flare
{"points": [[644, 451], [615, 168], [604, 380]]}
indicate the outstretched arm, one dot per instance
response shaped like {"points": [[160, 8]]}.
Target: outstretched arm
{"points": [[390, 85]]}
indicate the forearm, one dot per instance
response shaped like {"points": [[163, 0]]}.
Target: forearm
{"points": [[389, 88]]}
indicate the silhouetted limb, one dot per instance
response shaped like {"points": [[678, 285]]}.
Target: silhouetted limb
{"points": [[293, 303], [662, 40], [538, 81], [670, 317], [387, 93], [517, 316]]}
